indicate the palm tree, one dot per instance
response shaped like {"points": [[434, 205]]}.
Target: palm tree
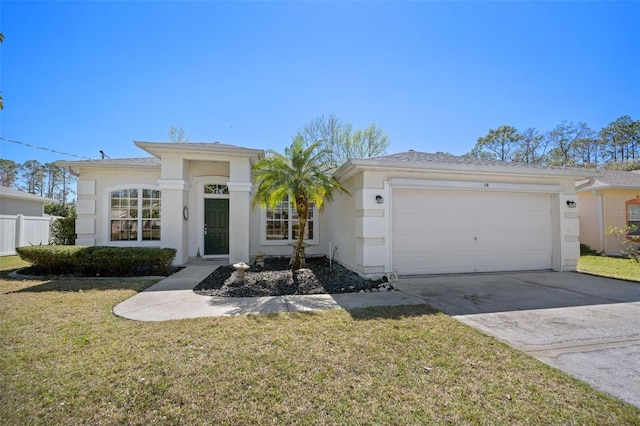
{"points": [[299, 176]]}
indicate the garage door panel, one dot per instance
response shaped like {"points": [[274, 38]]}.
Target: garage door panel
{"points": [[464, 231]]}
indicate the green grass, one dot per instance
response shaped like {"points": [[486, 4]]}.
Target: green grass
{"points": [[66, 359], [612, 267]]}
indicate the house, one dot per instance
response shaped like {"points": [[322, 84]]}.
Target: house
{"points": [[22, 220], [14, 202], [413, 213], [609, 200]]}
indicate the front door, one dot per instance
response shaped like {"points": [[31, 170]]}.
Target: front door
{"points": [[216, 226]]}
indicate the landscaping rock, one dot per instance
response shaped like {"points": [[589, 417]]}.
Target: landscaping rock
{"points": [[276, 279]]}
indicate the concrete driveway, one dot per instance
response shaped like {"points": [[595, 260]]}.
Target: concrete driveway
{"points": [[586, 326]]}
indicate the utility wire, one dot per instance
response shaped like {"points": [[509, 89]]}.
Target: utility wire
{"points": [[43, 148]]}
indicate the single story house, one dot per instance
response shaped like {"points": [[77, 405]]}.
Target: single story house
{"points": [[22, 220], [413, 212], [611, 199], [14, 202]]}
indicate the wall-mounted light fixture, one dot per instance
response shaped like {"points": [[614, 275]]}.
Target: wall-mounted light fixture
{"points": [[379, 199], [571, 204]]}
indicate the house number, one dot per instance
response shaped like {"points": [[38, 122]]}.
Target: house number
{"points": [[185, 213]]}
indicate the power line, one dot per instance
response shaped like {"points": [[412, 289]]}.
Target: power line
{"points": [[43, 148]]}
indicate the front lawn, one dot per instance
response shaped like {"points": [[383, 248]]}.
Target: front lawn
{"points": [[613, 267], [66, 359]]}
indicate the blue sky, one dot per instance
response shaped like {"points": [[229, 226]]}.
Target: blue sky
{"points": [[80, 77]]}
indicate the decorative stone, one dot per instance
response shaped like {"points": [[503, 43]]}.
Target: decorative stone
{"points": [[241, 268], [260, 259]]}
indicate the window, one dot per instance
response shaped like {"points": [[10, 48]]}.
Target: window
{"points": [[282, 223], [633, 217], [134, 214], [216, 189]]}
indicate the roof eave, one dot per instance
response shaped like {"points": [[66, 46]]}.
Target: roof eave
{"points": [[354, 166], [585, 188], [74, 166], [158, 148]]}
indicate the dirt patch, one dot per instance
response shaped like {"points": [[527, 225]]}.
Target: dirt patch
{"points": [[276, 279]]}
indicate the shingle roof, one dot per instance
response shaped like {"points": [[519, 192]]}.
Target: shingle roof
{"points": [[610, 179], [107, 162], [424, 161], [425, 157], [14, 193]]}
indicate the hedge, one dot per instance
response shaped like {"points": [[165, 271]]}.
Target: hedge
{"points": [[99, 261]]}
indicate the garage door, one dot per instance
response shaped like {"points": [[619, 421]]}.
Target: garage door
{"points": [[440, 231]]}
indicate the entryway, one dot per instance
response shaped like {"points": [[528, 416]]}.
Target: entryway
{"points": [[216, 226]]}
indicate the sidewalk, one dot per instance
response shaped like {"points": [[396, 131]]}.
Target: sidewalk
{"points": [[173, 298]]}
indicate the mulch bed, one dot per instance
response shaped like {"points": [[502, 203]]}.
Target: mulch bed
{"points": [[276, 279]]}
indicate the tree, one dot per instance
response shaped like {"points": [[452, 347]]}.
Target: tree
{"points": [[369, 142], [8, 173], [340, 142], [621, 138], [32, 174], [528, 150], [498, 144], [563, 140], [177, 135], [301, 175]]}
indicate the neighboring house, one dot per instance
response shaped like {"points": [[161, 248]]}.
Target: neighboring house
{"points": [[13, 202], [609, 200], [22, 220], [414, 213]]}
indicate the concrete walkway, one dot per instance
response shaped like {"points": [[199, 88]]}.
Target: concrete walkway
{"points": [[173, 298]]}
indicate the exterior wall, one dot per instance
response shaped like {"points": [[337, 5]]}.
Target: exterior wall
{"points": [[340, 219], [370, 231], [597, 220], [14, 206], [588, 214], [94, 185]]}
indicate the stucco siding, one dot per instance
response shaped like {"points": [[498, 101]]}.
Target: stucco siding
{"points": [[12, 206], [95, 227], [588, 212], [614, 214], [341, 226]]}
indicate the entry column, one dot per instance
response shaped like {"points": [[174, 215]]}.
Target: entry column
{"points": [[240, 188]]}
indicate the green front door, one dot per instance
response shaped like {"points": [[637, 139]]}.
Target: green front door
{"points": [[216, 226]]}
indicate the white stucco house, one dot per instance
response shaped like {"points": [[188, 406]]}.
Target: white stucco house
{"points": [[413, 212]]}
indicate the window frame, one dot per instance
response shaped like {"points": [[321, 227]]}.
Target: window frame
{"points": [[263, 228], [139, 219], [632, 202]]}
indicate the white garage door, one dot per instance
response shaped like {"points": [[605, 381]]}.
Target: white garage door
{"points": [[444, 231]]}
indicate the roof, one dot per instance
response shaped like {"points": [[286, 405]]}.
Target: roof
{"points": [[6, 192], [424, 161], [158, 148], [612, 179], [111, 163]]}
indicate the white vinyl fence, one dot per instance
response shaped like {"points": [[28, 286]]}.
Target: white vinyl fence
{"points": [[20, 230]]}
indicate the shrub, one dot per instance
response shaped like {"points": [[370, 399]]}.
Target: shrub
{"points": [[585, 250], [102, 261], [63, 230], [631, 246]]}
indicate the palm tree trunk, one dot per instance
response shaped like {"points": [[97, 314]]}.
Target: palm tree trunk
{"points": [[303, 212]]}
